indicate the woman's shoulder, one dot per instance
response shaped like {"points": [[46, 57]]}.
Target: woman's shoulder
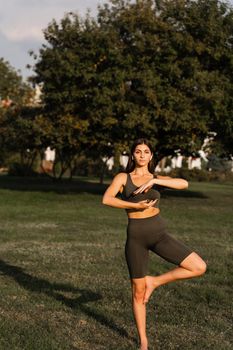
{"points": [[121, 177]]}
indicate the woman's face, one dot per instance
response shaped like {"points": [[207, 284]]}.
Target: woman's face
{"points": [[142, 155]]}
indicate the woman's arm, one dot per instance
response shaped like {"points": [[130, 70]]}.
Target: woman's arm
{"points": [[109, 197], [166, 181]]}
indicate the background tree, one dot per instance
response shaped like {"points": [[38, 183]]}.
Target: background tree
{"points": [[178, 76], [67, 68], [12, 86], [159, 69], [209, 25], [14, 94]]}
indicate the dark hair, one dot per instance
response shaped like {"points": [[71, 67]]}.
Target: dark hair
{"points": [[131, 163]]}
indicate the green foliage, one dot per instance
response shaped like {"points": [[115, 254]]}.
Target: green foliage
{"points": [[179, 56], [11, 84], [17, 125], [67, 69], [21, 131], [154, 69]]}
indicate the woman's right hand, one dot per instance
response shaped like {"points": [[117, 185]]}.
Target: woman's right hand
{"points": [[146, 204]]}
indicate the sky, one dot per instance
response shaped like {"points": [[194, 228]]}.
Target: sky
{"points": [[22, 23]]}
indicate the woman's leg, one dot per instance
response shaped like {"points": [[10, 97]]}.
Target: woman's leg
{"points": [[139, 309], [137, 259], [191, 266]]}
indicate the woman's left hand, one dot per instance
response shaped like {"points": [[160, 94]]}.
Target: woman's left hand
{"points": [[145, 187]]}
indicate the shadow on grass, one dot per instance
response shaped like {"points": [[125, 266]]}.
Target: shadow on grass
{"points": [[44, 184], [54, 290]]}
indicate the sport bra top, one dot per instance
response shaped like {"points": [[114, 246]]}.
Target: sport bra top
{"points": [[130, 187]]}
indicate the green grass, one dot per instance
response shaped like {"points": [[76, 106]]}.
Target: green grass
{"points": [[64, 281]]}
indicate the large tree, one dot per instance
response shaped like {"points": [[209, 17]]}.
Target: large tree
{"points": [[208, 26], [179, 56], [160, 69]]}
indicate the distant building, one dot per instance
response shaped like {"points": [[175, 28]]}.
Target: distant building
{"points": [[50, 154]]}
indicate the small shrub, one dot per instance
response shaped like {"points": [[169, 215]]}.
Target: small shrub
{"points": [[18, 169]]}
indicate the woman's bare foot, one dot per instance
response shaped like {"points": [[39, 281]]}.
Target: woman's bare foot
{"points": [[151, 284]]}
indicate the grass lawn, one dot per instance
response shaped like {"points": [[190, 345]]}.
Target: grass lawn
{"points": [[63, 279]]}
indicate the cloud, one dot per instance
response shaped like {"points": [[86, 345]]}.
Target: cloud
{"points": [[25, 19], [22, 23], [17, 53]]}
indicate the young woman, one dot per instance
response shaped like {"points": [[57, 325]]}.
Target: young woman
{"points": [[147, 230]]}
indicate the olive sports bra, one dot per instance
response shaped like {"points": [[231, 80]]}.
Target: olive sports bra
{"points": [[130, 187]]}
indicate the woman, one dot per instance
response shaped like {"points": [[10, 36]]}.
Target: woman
{"points": [[147, 230]]}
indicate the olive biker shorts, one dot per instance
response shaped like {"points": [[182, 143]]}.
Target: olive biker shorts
{"points": [[150, 234]]}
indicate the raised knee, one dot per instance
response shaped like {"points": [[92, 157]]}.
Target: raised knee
{"points": [[200, 268]]}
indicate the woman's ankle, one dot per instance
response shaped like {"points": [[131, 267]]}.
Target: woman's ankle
{"points": [[144, 341], [144, 345]]}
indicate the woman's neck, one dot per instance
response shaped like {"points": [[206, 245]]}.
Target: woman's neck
{"points": [[141, 171]]}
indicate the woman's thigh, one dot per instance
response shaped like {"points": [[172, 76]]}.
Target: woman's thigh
{"points": [[193, 262], [171, 249]]}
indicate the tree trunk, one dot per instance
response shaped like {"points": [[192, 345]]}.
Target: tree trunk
{"points": [[103, 168]]}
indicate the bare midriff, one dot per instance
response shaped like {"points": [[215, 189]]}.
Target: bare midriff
{"points": [[142, 214]]}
